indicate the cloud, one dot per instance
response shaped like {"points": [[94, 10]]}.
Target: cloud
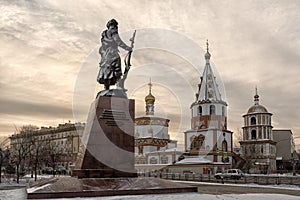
{"points": [[45, 46], [34, 109]]}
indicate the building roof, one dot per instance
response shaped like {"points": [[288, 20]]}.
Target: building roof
{"points": [[208, 88], [194, 160], [257, 108]]}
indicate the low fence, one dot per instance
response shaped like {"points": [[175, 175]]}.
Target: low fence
{"points": [[248, 178]]}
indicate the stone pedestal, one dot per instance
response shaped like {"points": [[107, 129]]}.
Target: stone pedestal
{"points": [[107, 146]]}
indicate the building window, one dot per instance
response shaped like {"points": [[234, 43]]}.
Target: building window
{"points": [[164, 159], [225, 157], [212, 110], [224, 146], [200, 110], [153, 160], [262, 149], [253, 135], [253, 121]]}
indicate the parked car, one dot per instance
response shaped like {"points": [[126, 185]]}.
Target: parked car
{"points": [[230, 174], [47, 170], [60, 170]]}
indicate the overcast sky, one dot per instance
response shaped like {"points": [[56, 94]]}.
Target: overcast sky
{"points": [[49, 60]]}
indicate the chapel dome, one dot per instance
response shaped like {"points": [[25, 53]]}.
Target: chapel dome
{"points": [[149, 99], [257, 109]]}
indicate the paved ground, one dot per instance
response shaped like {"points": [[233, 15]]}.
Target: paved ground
{"points": [[218, 189]]}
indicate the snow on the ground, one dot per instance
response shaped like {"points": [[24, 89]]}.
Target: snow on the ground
{"points": [[15, 194], [283, 186], [33, 189], [11, 184], [194, 196], [20, 194]]}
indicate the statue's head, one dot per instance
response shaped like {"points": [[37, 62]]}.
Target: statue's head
{"points": [[112, 22]]}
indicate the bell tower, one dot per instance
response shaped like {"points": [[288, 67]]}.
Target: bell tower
{"points": [[208, 136], [258, 147]]}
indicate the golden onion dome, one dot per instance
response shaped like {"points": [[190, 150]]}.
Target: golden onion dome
{"points": [[150, 99]]}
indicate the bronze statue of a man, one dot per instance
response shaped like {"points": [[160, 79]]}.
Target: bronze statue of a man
{"points": [[110, 64]]}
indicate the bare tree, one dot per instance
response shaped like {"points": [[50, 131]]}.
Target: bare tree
{"points": [[2, 159], [53, 153], [21, 148], [19, 153], [38, 154], [4, 154]]}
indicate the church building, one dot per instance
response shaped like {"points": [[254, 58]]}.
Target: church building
{"points": [[153, 147], [208, 144], [258, 147]]}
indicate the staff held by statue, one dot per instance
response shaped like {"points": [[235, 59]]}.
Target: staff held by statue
{"points": [[127, 62]]}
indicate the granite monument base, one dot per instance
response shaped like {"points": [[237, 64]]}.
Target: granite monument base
{"points": [[107, 144], [69, 187]]}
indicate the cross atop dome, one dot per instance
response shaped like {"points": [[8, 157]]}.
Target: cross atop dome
{"points": [[207, 46], [150, 86], [256, 97], [207, 54]]}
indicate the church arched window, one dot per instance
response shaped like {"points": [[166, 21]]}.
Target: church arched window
{"points": [[212, 110], [253, 135], [253, 121], [224, 146], [225, 153], [200, 110]]}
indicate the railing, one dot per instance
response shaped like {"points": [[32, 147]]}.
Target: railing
{"points": [[271, 179]]}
